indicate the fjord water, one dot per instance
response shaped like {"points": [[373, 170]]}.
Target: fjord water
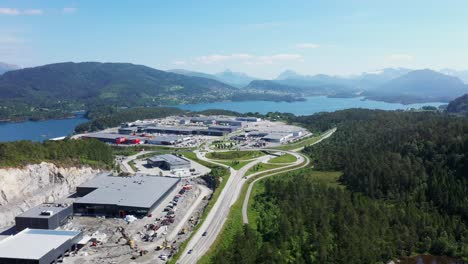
{"points": [[310, 106], [39, 130], [42, 130]]}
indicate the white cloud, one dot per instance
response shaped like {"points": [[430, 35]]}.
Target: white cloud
{"points": [[248, 58], [400, 57], [33, 12], [179, 62], [307, 46], [219, 58], [69, 10], [16, 12], [9, 40], [9, 11]]}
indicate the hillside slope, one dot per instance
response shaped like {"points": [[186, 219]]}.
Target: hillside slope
{"points": [[122, 83], [459, 105], [4, 67]]}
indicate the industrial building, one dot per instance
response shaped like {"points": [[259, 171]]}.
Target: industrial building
{"points": [[120, 196], [115, 138], [170, 130], [44, 216], [249, 119], [164, 140], [185, 131], [37, 246], [228, 129], [229, 122], [277, 137], [169, 162], [203, 120], [128, 130]]}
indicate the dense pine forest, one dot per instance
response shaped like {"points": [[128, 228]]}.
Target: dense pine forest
{"points": [[403, 191], [64, 152]]}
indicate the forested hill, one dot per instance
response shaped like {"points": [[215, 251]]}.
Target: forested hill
{"points": [[122, 83], [403, 190], [459, 105], [421, 157]]}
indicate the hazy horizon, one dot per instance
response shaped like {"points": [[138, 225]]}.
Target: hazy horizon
{"points": [[262, 38]]}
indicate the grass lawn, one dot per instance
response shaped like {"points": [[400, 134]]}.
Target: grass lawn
{"points": [[263, 167], [235, 155], [286, 158], [235, 164], [299, 144]]}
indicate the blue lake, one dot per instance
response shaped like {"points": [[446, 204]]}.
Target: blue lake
{"points": [[42, 130], [310, 106], [39, 130]]}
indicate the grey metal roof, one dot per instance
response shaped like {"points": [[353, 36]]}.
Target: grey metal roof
{"points": [[166, 138], [171, 159], [128, 128], [110, 136], [136, 191], [275, 136], [34, 243], [35, 212], [162, 128]]}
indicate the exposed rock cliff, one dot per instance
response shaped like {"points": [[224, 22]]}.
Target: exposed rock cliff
{"points": [[23, 188]]}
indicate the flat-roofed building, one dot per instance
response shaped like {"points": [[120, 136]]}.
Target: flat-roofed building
{"points": [[37, 246], [164, 140], [228, 129], [229, 122], [120, 196], [44, 216], [169, 162], [203, 120], [277, 137], [115, 138], [170, 130], [248, 119], [128, 130]]}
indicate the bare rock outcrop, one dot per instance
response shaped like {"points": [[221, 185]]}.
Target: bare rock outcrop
{"points": [[23, 188]]}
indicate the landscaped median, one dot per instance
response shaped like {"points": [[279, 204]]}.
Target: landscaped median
{"points": [[234, 222], [234, 155]]}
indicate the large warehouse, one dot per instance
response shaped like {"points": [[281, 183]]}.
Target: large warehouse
{"points": [[169, 162], [36, 246], [44, 216], [119, 196], [115, 138]]}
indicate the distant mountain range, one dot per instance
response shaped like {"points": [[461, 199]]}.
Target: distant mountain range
{"points": [[4, 67], [236, 79], [419, 86], [71, 86], [399, 85]]}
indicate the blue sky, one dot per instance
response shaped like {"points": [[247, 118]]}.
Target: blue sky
{"points": [[261, 38]]}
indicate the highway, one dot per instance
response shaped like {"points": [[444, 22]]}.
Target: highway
{"points": [[214, 222]]}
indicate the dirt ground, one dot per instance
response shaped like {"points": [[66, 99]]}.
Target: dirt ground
{"points": [[110, 234]]}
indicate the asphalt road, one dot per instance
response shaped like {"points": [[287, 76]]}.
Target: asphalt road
{"points": [[214, 222]]}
